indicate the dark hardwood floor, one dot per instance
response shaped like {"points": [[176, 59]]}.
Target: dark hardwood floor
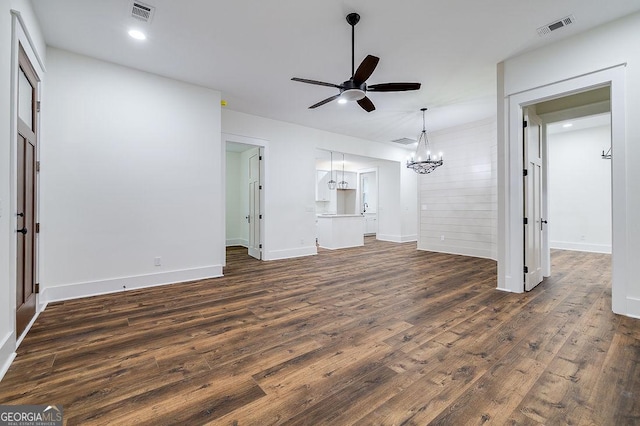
{"points": [[377, 335]]}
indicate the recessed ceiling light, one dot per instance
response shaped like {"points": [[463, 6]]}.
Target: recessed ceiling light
{"points": [[342, 101], [567, 125], [138, 35]]}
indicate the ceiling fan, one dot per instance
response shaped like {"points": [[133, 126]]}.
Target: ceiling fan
{"points": [[355, 89]]}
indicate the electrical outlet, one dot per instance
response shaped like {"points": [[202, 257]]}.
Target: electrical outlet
{"points": [[441, 237], [301, 242], [157, 261]]}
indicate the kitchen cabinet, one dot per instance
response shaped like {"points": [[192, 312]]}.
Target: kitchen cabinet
{"points": [[336, 231], [370, 223], [323, 193]]}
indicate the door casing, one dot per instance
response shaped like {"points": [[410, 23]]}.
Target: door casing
{"points": [[510, 194]]}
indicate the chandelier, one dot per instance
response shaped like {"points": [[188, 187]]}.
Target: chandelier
{"points": [[423, 161]]}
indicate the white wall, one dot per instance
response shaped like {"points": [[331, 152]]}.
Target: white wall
{"points": [[234, 200], [8, 162], [579, 194], [409, 199], [131, 166], [458, 201], [584, 57], [7, 293], [390, 206], [291, 180]]}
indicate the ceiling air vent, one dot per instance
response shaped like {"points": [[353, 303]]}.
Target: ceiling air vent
{"points": [[404, 141], [142, 11], [556, 25]]}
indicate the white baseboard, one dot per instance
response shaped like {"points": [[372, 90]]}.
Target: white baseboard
{"points": [[290, 253], [7, 353], [95, 288], [389, 238], [633, 307], [593, 248], [28, 327], [461, 251], [237, 242], [397, 238]]}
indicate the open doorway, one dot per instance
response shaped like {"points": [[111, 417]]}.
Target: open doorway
{"points": [[567, 195], [357, 189], [244, 197], [369, 200], [510, 190]]}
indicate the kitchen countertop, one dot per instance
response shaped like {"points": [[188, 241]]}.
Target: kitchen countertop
{"points": [[331, 215]]}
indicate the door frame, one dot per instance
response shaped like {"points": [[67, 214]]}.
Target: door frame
{"points": [[263, 144], [22, 37], [510, 191]]}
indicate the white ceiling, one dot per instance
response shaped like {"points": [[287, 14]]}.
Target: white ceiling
{"points": [[581, 123], [250, 49]]}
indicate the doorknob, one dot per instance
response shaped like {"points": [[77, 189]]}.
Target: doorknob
{"points": [[23, 231], [248, 218], [20, 214], [541, 222]]}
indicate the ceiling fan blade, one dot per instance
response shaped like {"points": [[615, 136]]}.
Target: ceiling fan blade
{"points": [[316, 82], [393, 87], [325, 101], [365, 69], [366, 104]]}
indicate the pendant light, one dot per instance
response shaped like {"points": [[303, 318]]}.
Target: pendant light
{"points": [[343, 184], [424, 162], [331, 183]]}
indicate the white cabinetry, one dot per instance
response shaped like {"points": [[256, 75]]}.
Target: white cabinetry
{"points": [[340, 231], [370, 223], [323, 193]]}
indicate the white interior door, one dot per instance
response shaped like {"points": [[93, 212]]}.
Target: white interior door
{"points": [[532, 129], [254, 206]]}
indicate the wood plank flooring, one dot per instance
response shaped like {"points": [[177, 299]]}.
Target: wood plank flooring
{"points": [[376, 335]]}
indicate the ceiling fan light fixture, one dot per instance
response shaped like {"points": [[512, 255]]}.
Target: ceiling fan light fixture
{"points": [[137, 34], [355, 88], [351, 95]]}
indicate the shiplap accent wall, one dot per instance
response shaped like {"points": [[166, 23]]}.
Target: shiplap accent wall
{"points": [[458, 201]]}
